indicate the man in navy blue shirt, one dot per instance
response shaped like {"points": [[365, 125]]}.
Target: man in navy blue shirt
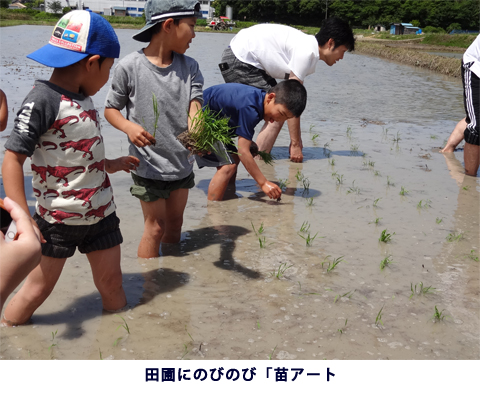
{"points": [[245, 107]]}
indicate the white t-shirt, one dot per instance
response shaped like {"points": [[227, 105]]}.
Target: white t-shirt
{"points": [[277, 49], [472, 54]]}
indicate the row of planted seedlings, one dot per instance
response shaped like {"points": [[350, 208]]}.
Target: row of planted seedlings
{"points": [[330, 263]]}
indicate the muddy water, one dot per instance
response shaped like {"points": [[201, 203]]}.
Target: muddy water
{"points": [[216, 296]]}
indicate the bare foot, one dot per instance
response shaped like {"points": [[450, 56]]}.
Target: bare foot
{"points": [[449, 148]]}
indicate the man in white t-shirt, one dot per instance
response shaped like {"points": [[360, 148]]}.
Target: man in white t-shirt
{"points": [[262, 53]]}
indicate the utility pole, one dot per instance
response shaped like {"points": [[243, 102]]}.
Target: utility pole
{"points": [[326, 9]]}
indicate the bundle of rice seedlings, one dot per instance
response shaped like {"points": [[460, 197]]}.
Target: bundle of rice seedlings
{"points": [[266, 157], [209, 128]]}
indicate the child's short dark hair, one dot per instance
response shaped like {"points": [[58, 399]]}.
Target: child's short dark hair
{"points": [[292, 94], [158, 27], [338, 30]]}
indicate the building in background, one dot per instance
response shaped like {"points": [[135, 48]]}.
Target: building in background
{"points": [[125, 7]]}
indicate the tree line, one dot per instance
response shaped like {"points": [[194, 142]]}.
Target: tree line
{"points": [[444, 14]]}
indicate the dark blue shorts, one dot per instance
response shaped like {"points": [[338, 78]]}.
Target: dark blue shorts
{"points": [[62, 240]]}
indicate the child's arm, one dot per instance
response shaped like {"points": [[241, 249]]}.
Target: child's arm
{"points": [[270, 189], [195, 107], [3, 111], [136, 133], [125, 163], [13, 178]]}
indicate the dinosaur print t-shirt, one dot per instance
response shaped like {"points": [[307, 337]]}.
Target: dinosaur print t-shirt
{"points": [[60, 131]]}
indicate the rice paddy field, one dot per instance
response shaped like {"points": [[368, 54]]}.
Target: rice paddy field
{"points": [[305, 278]]}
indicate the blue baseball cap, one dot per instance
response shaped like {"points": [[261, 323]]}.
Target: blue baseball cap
{"points": [[76, 35], [157, 11]]}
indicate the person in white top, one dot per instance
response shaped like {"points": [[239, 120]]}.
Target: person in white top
{"points": [[259, 55], [468, 128]]}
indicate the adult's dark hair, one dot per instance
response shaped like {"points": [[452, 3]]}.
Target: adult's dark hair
{"points": [[338, 30], [292, 94]]}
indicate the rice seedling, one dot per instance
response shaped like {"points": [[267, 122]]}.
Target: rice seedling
{"points": [[54, 334], [454, 237], [339, 179], [389, 182], [375, 202], [100, 352], [124, 325], [282, 184], [371, 164], [311, 128], [377, 173], [378, 319], [353, 189], [376, 221], [386, 261], [280, 271], [326, 148], [397, 137], [332, 264], [263, 242], [268, 158], [334, 174], [258, 324], [306, 185], [185, 351], [189, 334], [354, 149], [309, 239], [314, 138], [438, 220], [305, 227], [385, 237], [349, 132], [422, 290], [332, 162], [156, 115], [115, 343], [271, 354], [260, 230], [299, 175], [309, 202], [424, 204], [209, 128], [341, 330], [348, 295], [433, 137], [438, 315], [403, 191], [472, 255], [466, 188], [384, 133]]}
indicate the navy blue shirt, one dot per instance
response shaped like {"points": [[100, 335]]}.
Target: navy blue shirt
{"points": [[241, 103]]}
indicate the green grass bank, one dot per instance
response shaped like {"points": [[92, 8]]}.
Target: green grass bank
{"points": [[402, 52]]}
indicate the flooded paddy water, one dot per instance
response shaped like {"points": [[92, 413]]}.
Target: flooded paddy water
{"points": [[371, 128]]}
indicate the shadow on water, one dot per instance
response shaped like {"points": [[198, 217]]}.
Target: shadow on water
{"points": [[314, 153], [140, 289], [224, 236]]}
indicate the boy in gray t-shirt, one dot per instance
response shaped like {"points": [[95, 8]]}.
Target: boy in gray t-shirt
{"points": [[161, 89]]}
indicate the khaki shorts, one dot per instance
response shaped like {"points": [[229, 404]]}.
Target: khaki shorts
{"points": [[150, 190]]}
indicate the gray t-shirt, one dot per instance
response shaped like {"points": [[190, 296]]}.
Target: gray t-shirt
{"points": [[136, 83]]}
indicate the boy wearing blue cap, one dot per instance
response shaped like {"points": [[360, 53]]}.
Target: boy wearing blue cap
{"points": [[159, 86], [58, 127]]}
